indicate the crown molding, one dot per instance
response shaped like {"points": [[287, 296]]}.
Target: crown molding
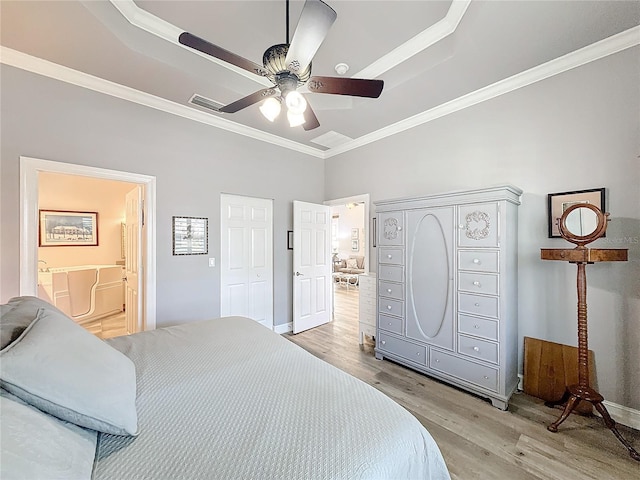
{"points": [[421, 41], [609, 46], [148, 22], [45, 68], [145, 20]]}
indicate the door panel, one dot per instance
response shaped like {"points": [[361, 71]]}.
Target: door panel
{"points": [[133, 260], [430, 276], [312, 265], [246, 278]]}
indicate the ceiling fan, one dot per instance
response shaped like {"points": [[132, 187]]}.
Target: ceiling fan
{"points": [[288, 66]]}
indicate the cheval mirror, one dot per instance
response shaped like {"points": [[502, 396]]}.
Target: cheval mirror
{"points": [[581, 224]]}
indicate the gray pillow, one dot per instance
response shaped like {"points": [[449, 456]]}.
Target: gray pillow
{"points": [[60, 368], [17, 315], [37, 445]]}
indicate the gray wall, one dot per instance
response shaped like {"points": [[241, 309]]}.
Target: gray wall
{"points": [[193, 163], [575, 131]]}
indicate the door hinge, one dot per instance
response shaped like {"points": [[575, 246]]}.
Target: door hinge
{"points": [[142, 211]]}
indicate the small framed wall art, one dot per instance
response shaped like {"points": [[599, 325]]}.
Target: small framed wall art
{"points": [[557, 203], [60, 228], [190, 236]]}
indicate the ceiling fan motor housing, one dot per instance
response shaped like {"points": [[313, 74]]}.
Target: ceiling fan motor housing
{"points": [[274, 61]]}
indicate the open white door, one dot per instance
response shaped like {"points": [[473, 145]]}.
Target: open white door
{"points": [[133, 259], [311, 265]]}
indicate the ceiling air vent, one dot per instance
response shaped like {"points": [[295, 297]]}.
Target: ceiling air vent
{"points": [[205, 102], [331, 139]]}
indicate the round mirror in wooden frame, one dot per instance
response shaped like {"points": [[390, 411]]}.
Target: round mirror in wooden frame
{"points": [[582, 223]]}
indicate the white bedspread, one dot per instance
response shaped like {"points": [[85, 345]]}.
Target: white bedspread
{"points": [[228, 399]]}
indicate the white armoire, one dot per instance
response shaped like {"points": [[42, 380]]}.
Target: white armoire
{"points": [[448, 288]]}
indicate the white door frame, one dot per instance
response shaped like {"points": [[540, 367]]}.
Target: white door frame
{"points": [[29, 170], [363, 198]]}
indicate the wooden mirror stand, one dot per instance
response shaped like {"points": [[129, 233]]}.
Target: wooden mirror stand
{"points": [[582, 256]]}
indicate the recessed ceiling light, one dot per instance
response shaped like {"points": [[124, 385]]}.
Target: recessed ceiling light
{"points": [[341, 68]]}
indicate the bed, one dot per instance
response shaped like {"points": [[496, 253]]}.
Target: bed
{"points": [[223, 398]]}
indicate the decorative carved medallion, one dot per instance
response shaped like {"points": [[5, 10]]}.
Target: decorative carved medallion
{"points": [[294, 66], [315, 84], [481, 231], [391, 228]]}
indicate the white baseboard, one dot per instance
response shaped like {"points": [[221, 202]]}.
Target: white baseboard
{"points": [[621, 414], [283, 328]]}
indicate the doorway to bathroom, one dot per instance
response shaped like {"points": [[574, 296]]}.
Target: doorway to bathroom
{"points": [[107, 286]]}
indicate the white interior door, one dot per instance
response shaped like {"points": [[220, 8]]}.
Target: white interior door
{"points": [[246, 263], [311, 265], [133, 260]]}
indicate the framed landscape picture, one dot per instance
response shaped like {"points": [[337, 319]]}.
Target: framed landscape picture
{"points": [[59, 228]]}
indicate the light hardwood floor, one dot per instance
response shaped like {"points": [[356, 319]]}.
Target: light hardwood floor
{"points": [[477, 440]]}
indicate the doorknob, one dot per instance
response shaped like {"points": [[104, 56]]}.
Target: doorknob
{"points": [[298, 274]]}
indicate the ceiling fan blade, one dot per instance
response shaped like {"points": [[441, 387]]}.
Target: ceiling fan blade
{"points": [[203, 46], [310, 119], [314, 24], [248, 100], [356, 87]]}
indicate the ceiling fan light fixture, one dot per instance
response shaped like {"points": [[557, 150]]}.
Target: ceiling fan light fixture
{"points": [[295, 119], [296, 104], [270, 108]]}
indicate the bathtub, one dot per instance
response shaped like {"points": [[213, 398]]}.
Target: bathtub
{"points": [[85, 292]]}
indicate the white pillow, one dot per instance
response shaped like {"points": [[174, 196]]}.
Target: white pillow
{"points": [[37, 445], [352, 263], [60, 368]]}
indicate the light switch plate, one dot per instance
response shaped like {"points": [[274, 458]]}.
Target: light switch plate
{"points": [[212, 262]]}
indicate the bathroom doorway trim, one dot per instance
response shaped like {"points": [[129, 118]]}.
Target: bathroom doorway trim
{"points": [[29, 183]]}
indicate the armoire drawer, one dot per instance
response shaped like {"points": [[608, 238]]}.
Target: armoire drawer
{"points": [[478, 260], [393, 256], [408, 350], [391, 307], [391, 273], [486, 283], [478, 305], [390, 324], [480, 327], [391, 290], [480, 349], [467, 370]]}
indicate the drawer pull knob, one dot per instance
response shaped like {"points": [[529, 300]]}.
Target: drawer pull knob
{"points": [[476, 326], [389, 256], [477, 284], [418, 353], [476, 349], [476, 261], [383, 342], [390, 324], [477, 304], [437, 360], [388, 290], [389, 307], [486, 377], [399, 229]]}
